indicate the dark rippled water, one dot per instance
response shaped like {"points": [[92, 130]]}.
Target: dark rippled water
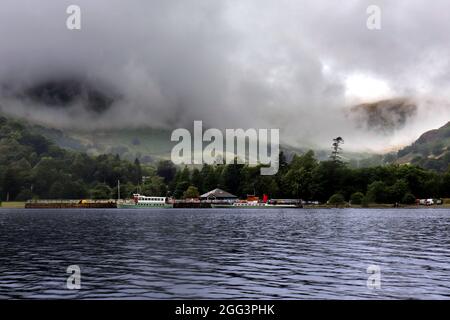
{"points": [[274, 254]]}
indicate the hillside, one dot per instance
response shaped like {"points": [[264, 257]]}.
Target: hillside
{"points": [[31, 166], [384, 115], [148, 145], [152, 145], [430, 151]]}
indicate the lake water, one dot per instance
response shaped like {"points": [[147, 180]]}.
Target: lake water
{"points": [[248, 254]]}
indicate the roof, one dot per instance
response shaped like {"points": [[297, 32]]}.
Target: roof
{"points": [[218, 194]]}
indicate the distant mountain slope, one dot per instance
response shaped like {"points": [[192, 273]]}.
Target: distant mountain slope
{"points": [[431, 150], [384, 115], [151, 145], [148, 145]]}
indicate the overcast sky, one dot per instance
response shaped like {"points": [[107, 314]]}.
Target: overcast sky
{"points": [[295, 65]]}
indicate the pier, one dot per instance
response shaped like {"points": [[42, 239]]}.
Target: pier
{"points": [[70, 204]]}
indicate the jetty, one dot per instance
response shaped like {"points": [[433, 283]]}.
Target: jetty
{"points": [[70, 204]]}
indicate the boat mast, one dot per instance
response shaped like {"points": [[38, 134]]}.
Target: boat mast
{"points": [[118, 189]]}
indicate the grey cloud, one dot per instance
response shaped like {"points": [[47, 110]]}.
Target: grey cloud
{"points": [[271, 64]]}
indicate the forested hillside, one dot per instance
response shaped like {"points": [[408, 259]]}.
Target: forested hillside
{"points": [[430, 151], [31, 166]]}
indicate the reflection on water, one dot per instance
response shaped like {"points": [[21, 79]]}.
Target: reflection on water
{"points": [[272, 254]]}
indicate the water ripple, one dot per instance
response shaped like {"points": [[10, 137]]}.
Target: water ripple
{"points": [[222, 254]]}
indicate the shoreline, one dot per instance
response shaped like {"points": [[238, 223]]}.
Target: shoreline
{"points": [[21, 205]]}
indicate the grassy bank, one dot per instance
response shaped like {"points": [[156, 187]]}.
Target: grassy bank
{"points": [[12, 205]]}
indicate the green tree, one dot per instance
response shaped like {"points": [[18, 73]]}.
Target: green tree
{"points": [[137, 172], [155, 186], [180, 188], [336, 150], [336, 199], [377, 192], [409, 198], [357, 198], [25, 195], [209, 177], [101, 191], [327, 179], [191, 192], [126, 191], [365, 202], [197, 180], [44, 174], [167, 170], [231, 178], [299, 176], [283, 164], [66, 188], [185, 175], [396, 192], [446, 185]]}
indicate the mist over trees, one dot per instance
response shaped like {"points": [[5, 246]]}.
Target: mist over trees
{"points": [[33, 167]]}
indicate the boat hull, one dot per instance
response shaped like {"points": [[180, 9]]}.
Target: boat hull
{"points": [[144, 206], [227, 206]]}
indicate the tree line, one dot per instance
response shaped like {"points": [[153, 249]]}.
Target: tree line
{"points": [[33, 167]]}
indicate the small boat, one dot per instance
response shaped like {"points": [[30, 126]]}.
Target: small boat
{"points": [[144, 202], [257, 206], [240, 204], [254, 203]]}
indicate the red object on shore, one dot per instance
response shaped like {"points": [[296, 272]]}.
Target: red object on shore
{"points": [[265, 198]]}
